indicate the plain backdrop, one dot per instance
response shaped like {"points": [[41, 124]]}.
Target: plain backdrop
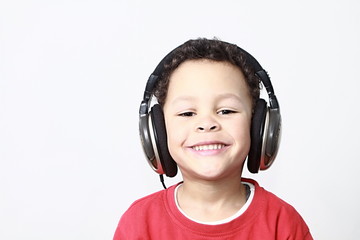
{"points": [[72, 75]]}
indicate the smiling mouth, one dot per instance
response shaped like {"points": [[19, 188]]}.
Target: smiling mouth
{"points": [[208, 147]]}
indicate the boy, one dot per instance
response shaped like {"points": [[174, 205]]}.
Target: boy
{"points": [[208, 100]]}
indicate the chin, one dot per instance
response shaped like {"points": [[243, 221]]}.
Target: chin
{"points": [[216, 175]]}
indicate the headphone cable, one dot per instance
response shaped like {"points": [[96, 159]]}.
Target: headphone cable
{"points": [[162, 181]]}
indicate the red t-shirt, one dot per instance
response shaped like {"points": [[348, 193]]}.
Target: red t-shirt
{"points": [[158, 217]]}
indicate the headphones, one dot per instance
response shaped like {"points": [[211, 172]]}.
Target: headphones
{"points": [[265, 129]]}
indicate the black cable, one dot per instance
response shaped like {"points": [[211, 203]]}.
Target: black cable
{"points": [[162, 181]]}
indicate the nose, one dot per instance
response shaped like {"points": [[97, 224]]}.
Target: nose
{"points": [[207, 129], [207, 126]]}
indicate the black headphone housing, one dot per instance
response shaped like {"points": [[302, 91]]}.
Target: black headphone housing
{"points": [[265, 126]]}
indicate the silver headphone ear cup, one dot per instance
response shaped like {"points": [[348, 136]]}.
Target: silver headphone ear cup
{"points": [[272, 137], [168, 164], [146, 140], [147, 143], [256, 133]]}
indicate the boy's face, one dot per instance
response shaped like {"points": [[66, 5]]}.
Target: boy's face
{"points": [[208, 115]]}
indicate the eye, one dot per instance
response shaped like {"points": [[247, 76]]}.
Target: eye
{"points": [[186, 114], [226, 111]]}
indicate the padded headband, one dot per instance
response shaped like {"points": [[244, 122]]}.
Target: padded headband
{"points": [[259, 72]]}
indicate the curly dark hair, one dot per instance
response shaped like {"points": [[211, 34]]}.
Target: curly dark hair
{"points": [[210, 49]]}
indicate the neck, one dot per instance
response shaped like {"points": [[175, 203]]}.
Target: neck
{"points": [[211, 200]]}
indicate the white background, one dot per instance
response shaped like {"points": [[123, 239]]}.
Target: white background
{"points": [[72, 74]]}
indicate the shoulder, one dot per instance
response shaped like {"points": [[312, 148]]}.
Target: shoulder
{"points": [[146, 204], [149, 199], [278, 214], [268, 198], [145, 213]]}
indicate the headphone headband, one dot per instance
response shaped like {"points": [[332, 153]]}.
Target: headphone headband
{"points": [[259, 72]]}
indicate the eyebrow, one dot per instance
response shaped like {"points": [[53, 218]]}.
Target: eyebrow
{"points": [[183, 98], [231, 96], [219, 97]]}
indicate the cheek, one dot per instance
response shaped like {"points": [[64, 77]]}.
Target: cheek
{"points": [[175, 134], [175, 141], [241, 134]]}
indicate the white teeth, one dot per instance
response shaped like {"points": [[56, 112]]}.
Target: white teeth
{"points": [[208, 147]]}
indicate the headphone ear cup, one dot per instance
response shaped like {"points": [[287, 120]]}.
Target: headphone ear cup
{"points": [[257, 132], [145, 132], [169, 166], [272, 138]]}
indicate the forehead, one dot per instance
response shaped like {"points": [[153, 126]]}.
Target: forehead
{"points": [[198, 77]]}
